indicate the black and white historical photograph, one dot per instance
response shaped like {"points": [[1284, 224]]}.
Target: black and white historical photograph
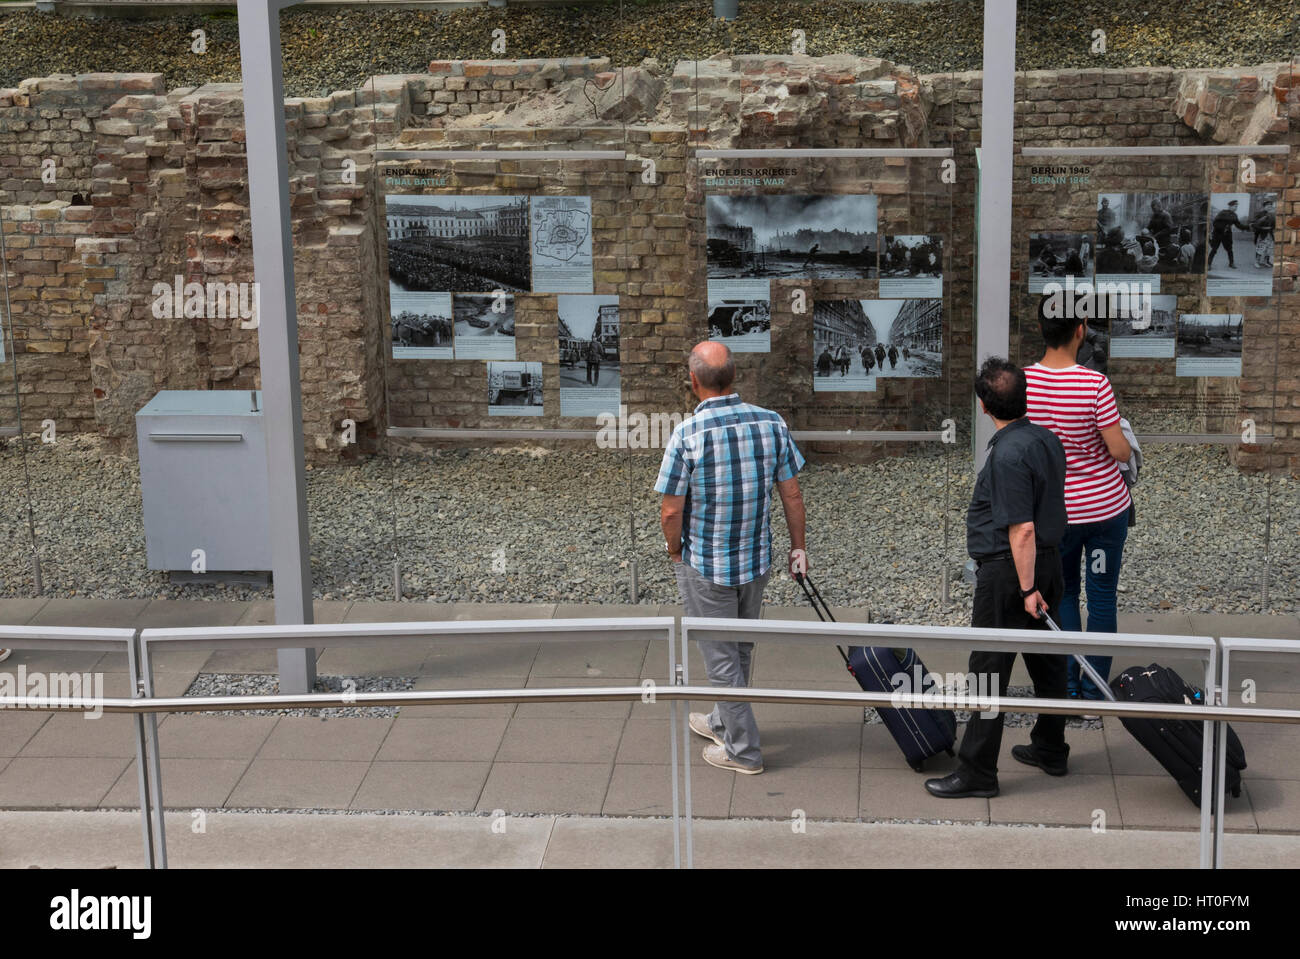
{"points": [[845, 356], [561, 232], [1209, 344], [485, 326], [514, 388], [909, 336], [826, 237], [421, 325], [1053, 256], [1150, 234], [590, 375], [1240, 258], [1146, 332], [740, 314], [465, 244], [911, 265]]}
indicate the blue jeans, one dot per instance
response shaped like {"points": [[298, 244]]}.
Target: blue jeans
{"points": [[1082, 543]]}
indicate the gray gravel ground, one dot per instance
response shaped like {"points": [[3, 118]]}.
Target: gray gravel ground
{"points": [[247, 684], [559, 523]]}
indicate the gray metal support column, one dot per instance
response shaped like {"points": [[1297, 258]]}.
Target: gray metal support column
{"points": [[277, 334], [993, 256]]}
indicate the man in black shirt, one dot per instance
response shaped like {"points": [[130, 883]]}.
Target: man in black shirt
{"points": [[1013, 526]]}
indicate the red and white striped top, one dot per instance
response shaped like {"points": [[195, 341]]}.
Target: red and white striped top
{"points": [[1076, 403]]}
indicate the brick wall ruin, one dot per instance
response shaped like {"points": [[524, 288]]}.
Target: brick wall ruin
{"points": [[148, 184]]}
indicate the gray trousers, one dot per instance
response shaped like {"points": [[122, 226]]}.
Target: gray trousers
{"points": [[728, 664]]}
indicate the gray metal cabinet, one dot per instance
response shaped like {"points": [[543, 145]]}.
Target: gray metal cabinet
{"points": [[203, 480]]}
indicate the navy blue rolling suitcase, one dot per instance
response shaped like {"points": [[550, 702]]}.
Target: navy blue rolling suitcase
{"points": [[920, 733]]}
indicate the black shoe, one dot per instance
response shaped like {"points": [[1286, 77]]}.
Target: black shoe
{"points": [[959, 785], [1029, 756]]}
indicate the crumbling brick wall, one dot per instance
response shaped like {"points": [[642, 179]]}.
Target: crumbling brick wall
{"points": [[165, 173]]}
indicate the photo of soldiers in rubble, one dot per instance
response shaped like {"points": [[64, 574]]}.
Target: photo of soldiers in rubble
{"points": [[1151, 233], [1053, 256], [1240, 261], [422, 325], [464, 244]]}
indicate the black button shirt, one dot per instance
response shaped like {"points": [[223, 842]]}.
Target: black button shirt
{"points": [[1023, 480]]}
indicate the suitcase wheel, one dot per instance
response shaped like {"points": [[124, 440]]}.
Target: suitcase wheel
{"points": [[1236, 793], [951, 754], [918, 766]]}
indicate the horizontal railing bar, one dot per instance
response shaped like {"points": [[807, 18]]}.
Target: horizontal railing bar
{"points": [[509, 631], [1259, 645], [70, 638], [382, 155], [813, 152], [438, 433], [653, 693], [1225, 439], [808, 633], [1226, 150], [848, 436]]}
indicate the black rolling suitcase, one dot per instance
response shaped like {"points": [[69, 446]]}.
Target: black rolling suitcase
{"points": [[1177, 744], [920, 733]]}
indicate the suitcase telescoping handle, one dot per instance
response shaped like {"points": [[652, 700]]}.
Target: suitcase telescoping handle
{"points": [[819, 605], [1086, 666]]}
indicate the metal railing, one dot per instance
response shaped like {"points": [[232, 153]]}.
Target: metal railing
{"points": [[79, 639], [806, 633], [145, 705]]}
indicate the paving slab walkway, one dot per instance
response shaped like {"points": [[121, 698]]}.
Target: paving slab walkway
{"points": [[587, 759], [96, 840]]}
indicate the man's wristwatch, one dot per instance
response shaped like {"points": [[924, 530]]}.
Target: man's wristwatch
{"points": [[1026, 593]]}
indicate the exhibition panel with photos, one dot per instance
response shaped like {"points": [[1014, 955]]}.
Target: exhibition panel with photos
{"points": [[501, 264], [557, 284], [1172, 258]]}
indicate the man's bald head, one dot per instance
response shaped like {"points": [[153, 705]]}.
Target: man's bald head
{"points": [[712, 365]]}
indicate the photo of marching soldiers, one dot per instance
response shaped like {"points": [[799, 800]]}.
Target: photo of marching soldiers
{"points": [[421, 325], [1056, 255], [740, 315], [1150, 233], [466, 244], [1209, 344], [1148, 332], [846, 354], [911, 265], [831, 237], [590, 372], [485, 326], [909, 336], [514, 389], [1240, 261]]}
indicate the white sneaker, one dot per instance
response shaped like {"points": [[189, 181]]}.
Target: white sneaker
{"points": [[717, 756], [699, 723], [5, 654]]}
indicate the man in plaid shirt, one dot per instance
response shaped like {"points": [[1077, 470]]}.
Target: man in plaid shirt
{"points": [[717, 476]]}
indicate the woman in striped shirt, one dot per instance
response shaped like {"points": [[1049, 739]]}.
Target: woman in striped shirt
{"points": [[1077, 404]]}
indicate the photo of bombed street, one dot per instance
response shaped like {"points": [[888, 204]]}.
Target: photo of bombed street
{"points": [[658, 435]]}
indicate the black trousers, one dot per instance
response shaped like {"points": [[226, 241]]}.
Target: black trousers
{"points": [[998, 605]]}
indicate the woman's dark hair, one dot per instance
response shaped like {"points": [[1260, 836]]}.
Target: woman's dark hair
{"points": [[1001, 386]]}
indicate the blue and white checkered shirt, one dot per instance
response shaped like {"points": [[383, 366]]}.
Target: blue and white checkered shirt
{"points": [[725, 460]]}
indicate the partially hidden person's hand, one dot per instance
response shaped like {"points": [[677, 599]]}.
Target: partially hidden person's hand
{"points": [[1034, 604], [798, 563], [675, 557]]}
